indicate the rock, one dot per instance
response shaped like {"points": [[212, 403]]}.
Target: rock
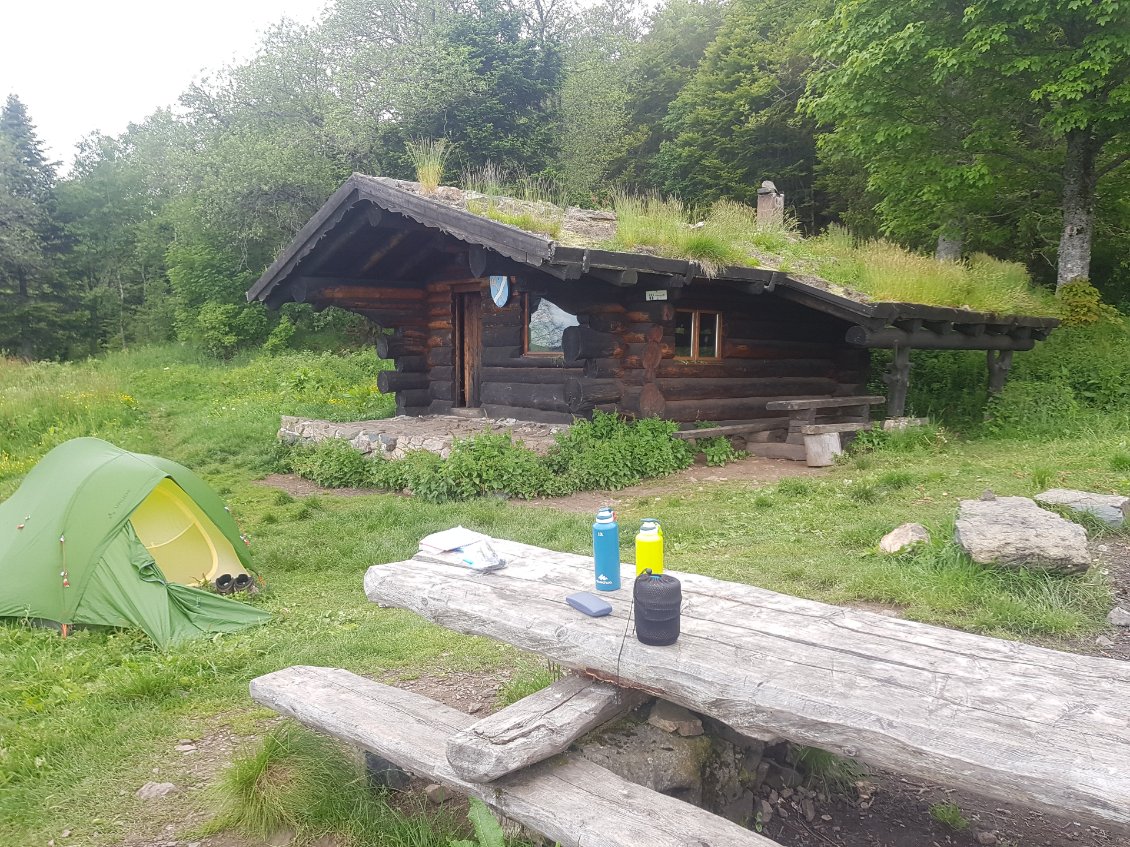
{"points": [[438, 794], [1109, 508], [1118, 617], [809, 809], [185, 748], [1014, 532], [648, 756], [762, 812], [782, 777], [903, 537], [153, 790], [988, 496], [384, 774], [740, 809], [671, 718], [1103, 641], [986, 839]]}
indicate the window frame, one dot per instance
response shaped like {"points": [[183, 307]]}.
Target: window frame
{"points": [[526, 352], [696, 329]]}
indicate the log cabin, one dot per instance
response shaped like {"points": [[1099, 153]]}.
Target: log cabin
{"points": [[485, 318]]}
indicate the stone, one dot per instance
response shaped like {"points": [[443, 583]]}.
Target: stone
{"points": [[762, 812], [1011, 532], [1118, 617], [905, 536], [809, 809], [782, 777], [438, 794], [648, 756], [153, 790], [384, 774], [671, 718], [185, 747], [1111, 509], [1103, 641], [986, 839]]}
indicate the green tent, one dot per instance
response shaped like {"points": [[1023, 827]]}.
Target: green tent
{"points": [[97, 535]]}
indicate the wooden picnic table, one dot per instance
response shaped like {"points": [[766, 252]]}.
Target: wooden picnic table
{"points": [[1017, 723]]}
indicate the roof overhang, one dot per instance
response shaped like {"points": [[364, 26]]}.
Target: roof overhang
{"points": [[364, 201]]}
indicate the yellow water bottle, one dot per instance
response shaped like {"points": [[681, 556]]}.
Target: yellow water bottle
{"points": [[649, 547]]}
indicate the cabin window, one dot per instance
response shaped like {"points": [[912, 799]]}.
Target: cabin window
{"points": [[545, 324], [698, 335]]}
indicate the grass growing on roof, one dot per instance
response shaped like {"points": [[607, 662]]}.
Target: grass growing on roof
{"points": [[429, 157], [532, 203]]}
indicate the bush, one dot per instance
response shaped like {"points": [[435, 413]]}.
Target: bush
{"points": [[1092, 361], [334, 464], [1081, 304], [1032, 408], [607, 452]]}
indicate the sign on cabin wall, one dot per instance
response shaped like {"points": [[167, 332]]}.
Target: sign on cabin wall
{"points": [[500, 290], [657, 295]]}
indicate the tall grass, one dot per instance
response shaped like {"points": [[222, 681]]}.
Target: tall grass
{"points": [[429, 158], [661, 225], [532, 203]]}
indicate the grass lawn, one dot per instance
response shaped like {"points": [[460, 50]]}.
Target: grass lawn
{"points": [[84, 721]]}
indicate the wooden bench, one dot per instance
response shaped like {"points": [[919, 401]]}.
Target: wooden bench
{"points": [[570, 801], [818, 444]]}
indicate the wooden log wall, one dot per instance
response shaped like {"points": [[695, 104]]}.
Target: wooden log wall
{"points": [[621, 356]]}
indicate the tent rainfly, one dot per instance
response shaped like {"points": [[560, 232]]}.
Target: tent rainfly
{"points": [[100, 536]]}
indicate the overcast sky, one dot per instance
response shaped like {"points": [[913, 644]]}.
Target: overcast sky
{"points": [[100, 64]]}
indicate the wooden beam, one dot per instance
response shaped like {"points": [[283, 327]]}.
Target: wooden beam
{"points": [[1000, 362], [732, 429], [825, 403], [897, 379], [537, 727], [625, 278], [924, 339], [570, 801], [1006, 720], [384, 249]]}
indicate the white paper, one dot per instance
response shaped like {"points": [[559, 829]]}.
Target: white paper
{"points": [[450, 539]]}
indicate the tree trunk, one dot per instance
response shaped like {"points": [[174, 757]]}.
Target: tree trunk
{"points": [[950, 243], [1079, 179]]}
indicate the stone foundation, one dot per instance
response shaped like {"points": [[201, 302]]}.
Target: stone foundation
{"points": [[395, 437]]}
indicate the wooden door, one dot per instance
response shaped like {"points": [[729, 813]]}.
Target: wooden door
{"points": [[468, 325]]}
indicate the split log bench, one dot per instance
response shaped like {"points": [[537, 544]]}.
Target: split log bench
{"points": [[1017, 723], [818, 444]]}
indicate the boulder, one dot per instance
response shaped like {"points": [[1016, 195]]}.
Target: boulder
{"points": [[1012, 532], [1109, 508], [905, 536], [648, 756]]}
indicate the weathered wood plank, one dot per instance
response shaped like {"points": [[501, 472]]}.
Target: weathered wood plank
{"points": [[573, 802], [825, 403], [1019, 723], [536, 727], [824, 429], [732, 429]]}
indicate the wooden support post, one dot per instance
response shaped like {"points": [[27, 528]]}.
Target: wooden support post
{"points": [[536, 727], [1000, 362], [897, 378]]}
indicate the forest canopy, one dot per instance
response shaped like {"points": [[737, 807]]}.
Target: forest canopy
{"points": [[957, 128]]}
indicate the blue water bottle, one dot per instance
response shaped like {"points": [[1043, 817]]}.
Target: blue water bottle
{"points": [[606, 550]]}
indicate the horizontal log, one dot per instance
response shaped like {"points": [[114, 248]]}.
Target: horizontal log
{"points": [[611, 323], [703, 388], [415, 363], [390, 381], [765, 425], [438, 338], [502, 336], [583, 394], [435, 324], [747, 368], [441, 372], [537, 376], [547, 398], [541, 725], [439, 357], [511, 357], [924, 339], [582, 342], [762, 349], [826, 402], [718, 409], [443, 389], [572, 802], [420, 397], [611, 368]]}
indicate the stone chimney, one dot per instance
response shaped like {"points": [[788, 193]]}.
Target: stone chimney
{"points": [[770, 206]]}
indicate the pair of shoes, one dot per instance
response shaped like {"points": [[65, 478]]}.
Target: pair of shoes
{"points": [[226, 584]]}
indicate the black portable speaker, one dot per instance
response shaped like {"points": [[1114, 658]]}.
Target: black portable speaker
{"points": [[657, 600]]}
